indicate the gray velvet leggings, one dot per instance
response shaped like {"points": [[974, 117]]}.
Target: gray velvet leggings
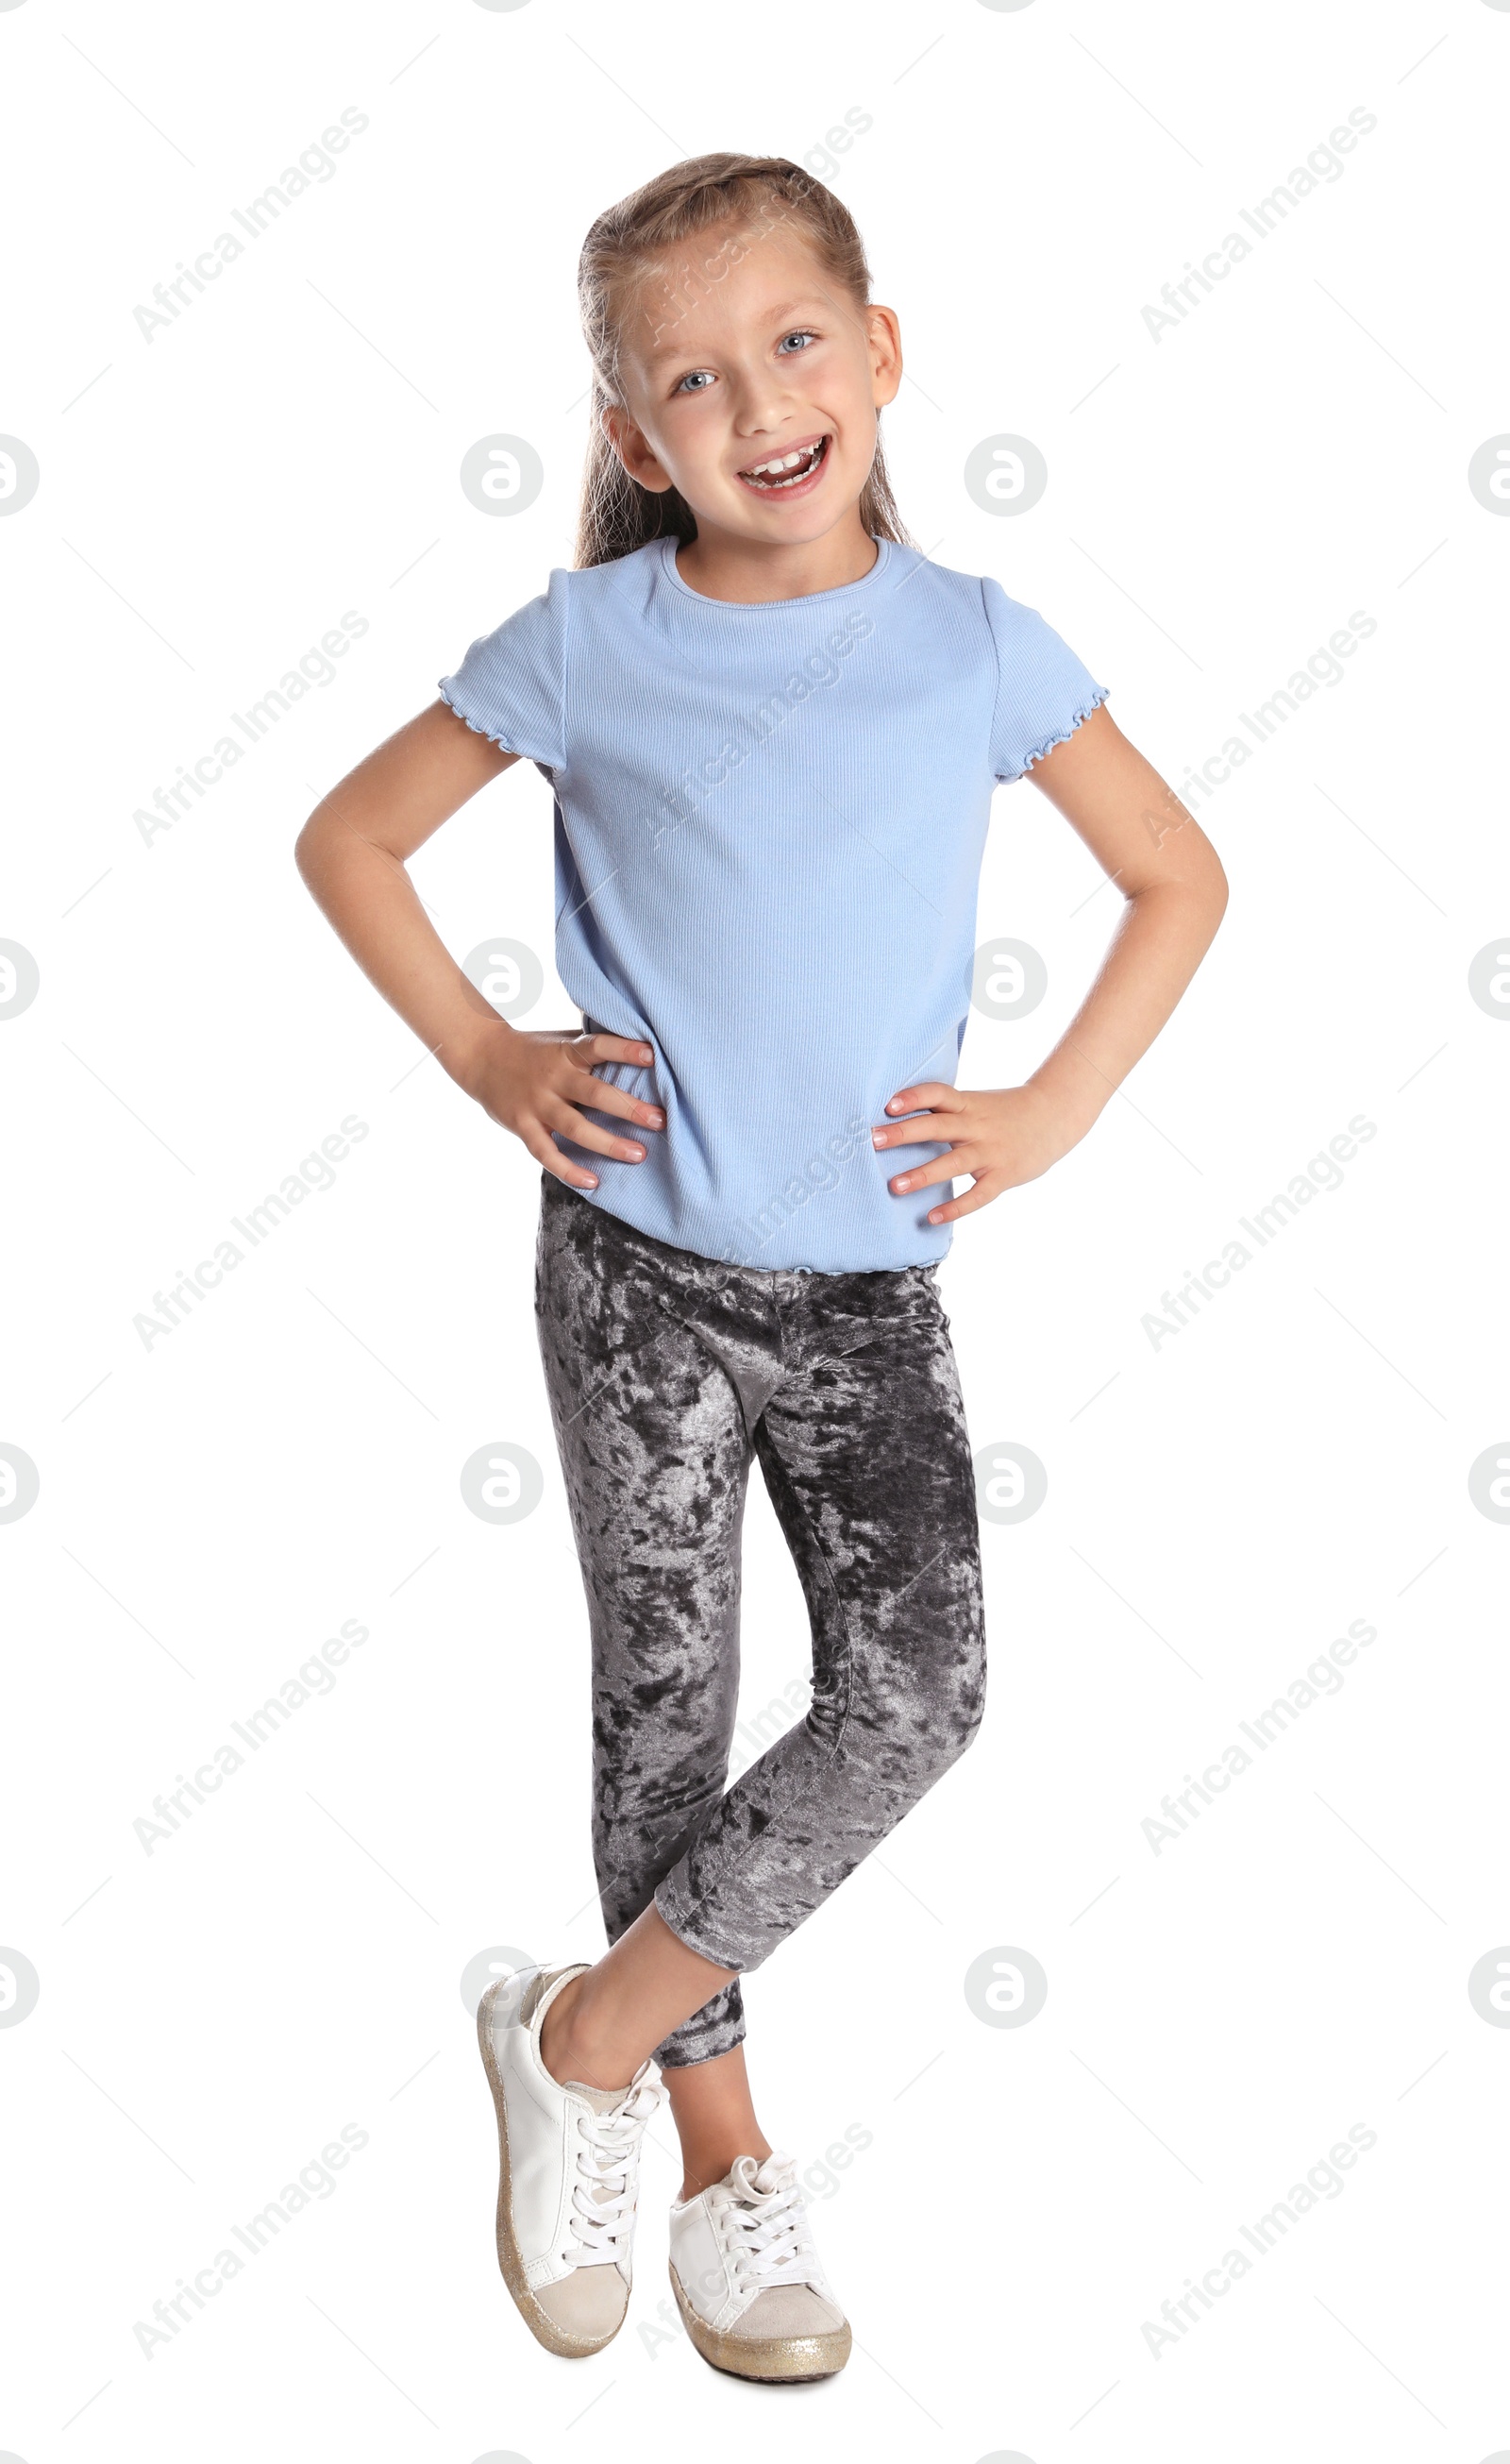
{"points": [[665, 1371]]}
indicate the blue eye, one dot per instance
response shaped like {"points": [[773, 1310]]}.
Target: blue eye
{"points": [[698, 379], [803, 335]]}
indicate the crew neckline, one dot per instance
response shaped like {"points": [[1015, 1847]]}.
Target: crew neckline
{"points": [[759, 606]]}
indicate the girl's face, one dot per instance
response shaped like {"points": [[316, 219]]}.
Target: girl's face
{"points": [[752, 382]]}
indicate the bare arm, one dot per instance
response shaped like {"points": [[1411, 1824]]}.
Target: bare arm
{"points": [[352, 853], [1175, 890]]}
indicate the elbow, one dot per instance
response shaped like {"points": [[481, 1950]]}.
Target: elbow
{"points": [[1220, 891], [1207, 887], [306, 849]]}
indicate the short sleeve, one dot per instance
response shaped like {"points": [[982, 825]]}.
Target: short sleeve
{"points": [[1042, 689], [510, 687]]}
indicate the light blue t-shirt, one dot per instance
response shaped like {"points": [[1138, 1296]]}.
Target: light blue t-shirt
{"points": [[770, 820]]}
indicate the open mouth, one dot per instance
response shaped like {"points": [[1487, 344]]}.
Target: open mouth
{"points": [[783, 473]]}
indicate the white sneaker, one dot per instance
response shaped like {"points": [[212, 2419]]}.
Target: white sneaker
{"points": [[747, 2279], [568, 2171]]}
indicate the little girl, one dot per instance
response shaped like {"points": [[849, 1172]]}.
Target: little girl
{"points": [[773, 729]]}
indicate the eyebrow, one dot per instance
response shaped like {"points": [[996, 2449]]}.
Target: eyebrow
{"points": [[784, 315]]}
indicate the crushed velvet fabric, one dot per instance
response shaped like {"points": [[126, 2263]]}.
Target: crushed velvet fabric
{"points": [[667, 1371]]}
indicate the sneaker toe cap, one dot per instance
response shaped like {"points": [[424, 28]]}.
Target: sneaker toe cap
{"points": [[784, 2312], [589, 2304]]}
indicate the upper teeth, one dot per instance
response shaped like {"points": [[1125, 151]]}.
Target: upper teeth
{"points": [[781, 462]]}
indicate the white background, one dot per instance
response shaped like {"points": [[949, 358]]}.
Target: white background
{"points": [[1219, 1508]]}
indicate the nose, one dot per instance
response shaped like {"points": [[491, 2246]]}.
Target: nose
{"points": [[763, 402]]}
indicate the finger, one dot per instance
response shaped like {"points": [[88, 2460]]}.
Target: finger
{"points": [[546, 1151], [914, 1132], [607, 1098], [574, 1125], [990, 1185], [935, 1096], [617, 1048], [944, 1167]]}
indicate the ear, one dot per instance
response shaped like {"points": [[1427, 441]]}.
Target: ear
{"points": [[883, 337], [634, 449]]}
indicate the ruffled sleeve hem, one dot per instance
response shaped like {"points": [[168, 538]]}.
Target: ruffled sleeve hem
{"points": [[1078, 718], [475, 725]]}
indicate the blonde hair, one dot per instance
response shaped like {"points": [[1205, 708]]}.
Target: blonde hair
{"points": [[624, 248]]}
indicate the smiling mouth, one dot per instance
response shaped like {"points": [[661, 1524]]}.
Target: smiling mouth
{"points": [[786, 470]]}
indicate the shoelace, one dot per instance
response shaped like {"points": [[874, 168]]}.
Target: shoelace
{"points": [[604, 2192], [771, 2240]]}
